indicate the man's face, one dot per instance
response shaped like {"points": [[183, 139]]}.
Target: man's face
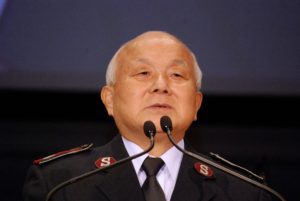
{"points": [[155, 78]]}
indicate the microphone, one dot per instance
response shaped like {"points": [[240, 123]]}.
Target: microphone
{"points": [[166, 125], [149, 130]]}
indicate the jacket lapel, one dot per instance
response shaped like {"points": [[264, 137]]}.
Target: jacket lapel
{"points": [[120, 182], [191, 185]]}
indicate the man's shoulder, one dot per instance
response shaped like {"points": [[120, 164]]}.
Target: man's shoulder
{"points": [[63, 154], [69, 163], [224, 183], [218, 171], [81, 156], [222, 163], [52, 170]]}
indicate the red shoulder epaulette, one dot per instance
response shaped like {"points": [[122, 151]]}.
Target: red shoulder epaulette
{"points": [[60, 154]]}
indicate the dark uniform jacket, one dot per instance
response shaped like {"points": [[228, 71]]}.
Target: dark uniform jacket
{"points": [[121, 182]]}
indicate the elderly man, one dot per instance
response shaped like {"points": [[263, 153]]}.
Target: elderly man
{"points": [[151, 76]]}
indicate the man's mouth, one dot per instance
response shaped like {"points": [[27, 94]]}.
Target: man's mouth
{"points": [[160, 106]]}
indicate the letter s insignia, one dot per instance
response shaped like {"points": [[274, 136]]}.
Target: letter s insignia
{"points": [[104, 161], [203, 169]]}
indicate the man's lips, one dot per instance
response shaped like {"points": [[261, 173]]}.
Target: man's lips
{"points": [[160, 106]]}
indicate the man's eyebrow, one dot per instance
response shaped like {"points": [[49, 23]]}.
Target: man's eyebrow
{"points": [[180, 62]]}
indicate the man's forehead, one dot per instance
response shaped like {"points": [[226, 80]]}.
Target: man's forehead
{"points": [[162, 39], [153, 37], [177, 62]]}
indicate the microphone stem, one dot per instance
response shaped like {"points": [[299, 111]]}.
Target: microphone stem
{"points": [[224, 169], [87, 174]]}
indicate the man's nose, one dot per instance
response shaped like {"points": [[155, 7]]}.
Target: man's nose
{"points": [[161, 84]]}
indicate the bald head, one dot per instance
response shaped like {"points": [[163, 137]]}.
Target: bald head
{"points": [[154, 36], [139, 42]]}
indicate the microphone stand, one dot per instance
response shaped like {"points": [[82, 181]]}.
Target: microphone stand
{"points": [[87, 174], [222, 168]]}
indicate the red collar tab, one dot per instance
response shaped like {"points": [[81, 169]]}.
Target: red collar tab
{"points": [[60, 154], [203, 169], [104, 161]]}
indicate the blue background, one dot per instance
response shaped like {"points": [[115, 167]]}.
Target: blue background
{"points": [[243, 47]]}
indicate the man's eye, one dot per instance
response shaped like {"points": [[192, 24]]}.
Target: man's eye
{"points": [[143, 73], [177, 75]]}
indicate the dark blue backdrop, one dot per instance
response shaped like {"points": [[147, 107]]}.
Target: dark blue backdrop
{"points": [[244, 47]]}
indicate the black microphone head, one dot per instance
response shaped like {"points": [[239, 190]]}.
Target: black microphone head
{"points": [[149, 129], [166, 124]]}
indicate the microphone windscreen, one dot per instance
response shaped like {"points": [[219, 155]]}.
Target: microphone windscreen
{"points": [[166, 124], [149, 129]]}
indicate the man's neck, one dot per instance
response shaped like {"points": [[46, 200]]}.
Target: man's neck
{"points": [[160, 147], [161, 143]]}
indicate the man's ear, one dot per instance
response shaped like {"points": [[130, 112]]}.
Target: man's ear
{"points": [[199, 98], [107, 93]]}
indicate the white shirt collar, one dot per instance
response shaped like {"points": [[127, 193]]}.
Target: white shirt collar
{"points": [[171, 157]]}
